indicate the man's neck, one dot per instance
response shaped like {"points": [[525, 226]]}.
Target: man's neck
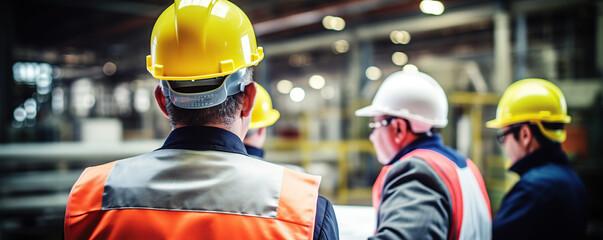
{"points": [[532, 146], [236, 131]]}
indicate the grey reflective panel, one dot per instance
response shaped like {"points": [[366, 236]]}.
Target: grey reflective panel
{"points": [[186, 180]]}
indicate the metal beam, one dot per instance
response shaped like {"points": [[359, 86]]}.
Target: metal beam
{"points": [[527, 6], [6, 79], [74, 151], [316, 16], [419, 23], [502, 76], [521, 46], [123, 7], [599, 37], [413, 25]]}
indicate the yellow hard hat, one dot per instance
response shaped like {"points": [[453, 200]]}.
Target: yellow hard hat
{"points": [[201, 39], [535, 101], [263, 114]]}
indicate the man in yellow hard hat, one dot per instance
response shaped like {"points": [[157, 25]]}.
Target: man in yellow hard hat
{"points": [[425, 190], [262, 116], [549, 200], [200, 184]]}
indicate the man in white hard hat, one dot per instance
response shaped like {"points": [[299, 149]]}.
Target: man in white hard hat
{"points": [[200, 184], [425, 190]]}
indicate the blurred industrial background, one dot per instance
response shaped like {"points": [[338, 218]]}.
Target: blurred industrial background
{"points": [[74, 91]]}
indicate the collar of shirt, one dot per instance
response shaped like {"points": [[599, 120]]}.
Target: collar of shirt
{"points": [[434, 143], [204, 138], [545, 154], [253, 151]]}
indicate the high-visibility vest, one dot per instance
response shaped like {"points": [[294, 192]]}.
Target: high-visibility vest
{"points": [[183, 194], [470, 195]]}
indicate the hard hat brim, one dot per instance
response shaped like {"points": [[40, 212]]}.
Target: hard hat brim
{"points": [[494, 124], [499, 123], [368, 111], [151, 70], [271, 118], [372, 111]]}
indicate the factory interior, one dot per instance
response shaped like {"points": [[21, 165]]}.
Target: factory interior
{"points": [[75, 91]]}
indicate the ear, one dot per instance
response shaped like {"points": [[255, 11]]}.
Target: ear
{"points": [[525, 136], [262, 131], [248, 100], [161, 100], [399, 130]]}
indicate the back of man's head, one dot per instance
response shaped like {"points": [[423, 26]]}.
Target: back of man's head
{"points": [[202, 53]]}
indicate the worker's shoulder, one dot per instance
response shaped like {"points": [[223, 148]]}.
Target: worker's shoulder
{"points": [[325, 222], [412, 166], [438, 155], [422, 168], [94, 174], [410, 161], [551, 176]]}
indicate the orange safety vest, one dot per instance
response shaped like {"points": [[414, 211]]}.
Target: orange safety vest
{"points": [[96, 208], [447, 170]]}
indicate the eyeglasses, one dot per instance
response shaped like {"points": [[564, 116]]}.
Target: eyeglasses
{"points": [[382, 123], [501, 136]]}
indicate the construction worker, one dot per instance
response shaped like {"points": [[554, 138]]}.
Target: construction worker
{"points": [[262, 116], [549, 200], [425, 190], [200, 184]]}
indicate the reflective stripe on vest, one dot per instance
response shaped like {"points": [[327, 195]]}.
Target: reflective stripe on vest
{"points": [[452, 176], [182, 194], [378, 187]]}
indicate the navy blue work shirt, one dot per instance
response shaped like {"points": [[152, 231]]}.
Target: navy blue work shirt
{"points": [[254, 151], [548, 202], [202, 138]]}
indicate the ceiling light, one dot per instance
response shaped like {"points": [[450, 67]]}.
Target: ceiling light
{"points": [[19, 114], [31, 108], [317, 82], [399, 58], [109, 68], [298, 60], [399, 37], [373, 73], [341, 46], [333, 23], [410, 68], [432, 7], [297, 94], [327, 92], [284, 86]]}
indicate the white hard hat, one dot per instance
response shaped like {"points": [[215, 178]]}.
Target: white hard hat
{"points": [[414, 96]]}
